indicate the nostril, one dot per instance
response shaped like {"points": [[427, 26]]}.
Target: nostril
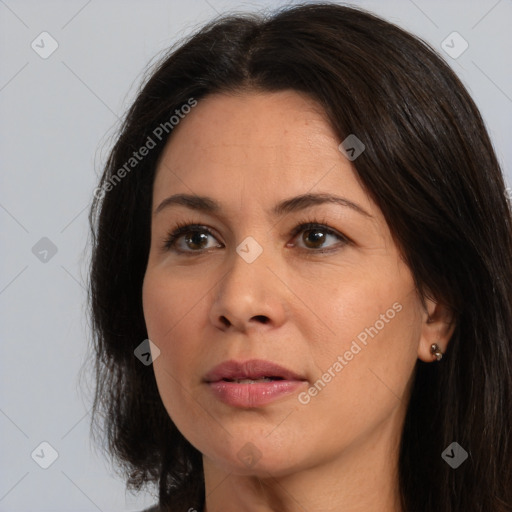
{"points": [[261, 318]]}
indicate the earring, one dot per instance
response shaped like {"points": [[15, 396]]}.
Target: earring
{"points": [[436, 351]]}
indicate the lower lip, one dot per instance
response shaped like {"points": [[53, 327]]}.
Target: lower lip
{"points": [[253, 395]]}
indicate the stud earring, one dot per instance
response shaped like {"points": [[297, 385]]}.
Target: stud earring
{"points": [[436, 351]]}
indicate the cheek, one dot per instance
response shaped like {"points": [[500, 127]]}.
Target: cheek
{"points": [[374, 335], [372, 364], [168, 310], [365, 304], [170, 313], [166, 303]]}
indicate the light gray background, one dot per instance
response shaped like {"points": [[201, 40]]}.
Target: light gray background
{"points": [[57, 115]]}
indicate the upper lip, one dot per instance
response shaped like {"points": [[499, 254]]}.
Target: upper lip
{"points": [[252, 369]]}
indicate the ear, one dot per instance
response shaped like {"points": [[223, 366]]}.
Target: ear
{"points": [[438, 325]]}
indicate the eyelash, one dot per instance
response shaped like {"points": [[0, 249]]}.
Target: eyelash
{"points": [[304, 225]]}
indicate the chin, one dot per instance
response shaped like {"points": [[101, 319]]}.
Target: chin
{"points": [[256, 455]]}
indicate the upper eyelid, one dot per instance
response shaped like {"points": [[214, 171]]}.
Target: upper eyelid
{"points": [[309, 225]]}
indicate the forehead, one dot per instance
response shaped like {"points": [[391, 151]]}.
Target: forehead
{"points": [[255, 147]]}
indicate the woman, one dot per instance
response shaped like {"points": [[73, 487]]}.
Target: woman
{"points": [[305, 216]]}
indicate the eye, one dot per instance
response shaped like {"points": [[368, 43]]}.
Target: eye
{"points": [[315, 237], [189, 238], [192, 239]]}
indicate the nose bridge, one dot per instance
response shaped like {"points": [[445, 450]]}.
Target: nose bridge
{"points": [[248, 291], [247, 273]]}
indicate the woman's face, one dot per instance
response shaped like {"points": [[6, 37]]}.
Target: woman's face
{"points": [[333, 303]]}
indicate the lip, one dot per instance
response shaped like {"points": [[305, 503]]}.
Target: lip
{"points": [[222, 382], [251, 369]]}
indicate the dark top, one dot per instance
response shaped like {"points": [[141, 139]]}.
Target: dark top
{"points": [[155, 508]]}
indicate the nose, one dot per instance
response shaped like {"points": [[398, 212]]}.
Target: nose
{"points": [[250, 296]]}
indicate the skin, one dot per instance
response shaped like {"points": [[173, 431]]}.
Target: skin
{"points": [[292, 305]]}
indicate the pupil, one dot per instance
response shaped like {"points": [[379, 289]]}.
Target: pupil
{"points": [[195, 239], [317, 236]]}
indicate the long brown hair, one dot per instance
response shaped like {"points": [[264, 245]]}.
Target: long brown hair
{"points": [[430, 167]]}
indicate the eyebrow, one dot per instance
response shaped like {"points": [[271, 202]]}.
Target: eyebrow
{"points": [[208, 205]]}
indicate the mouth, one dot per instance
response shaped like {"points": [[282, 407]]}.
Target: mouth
{"points": [[252, 383], [254, 370]]}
